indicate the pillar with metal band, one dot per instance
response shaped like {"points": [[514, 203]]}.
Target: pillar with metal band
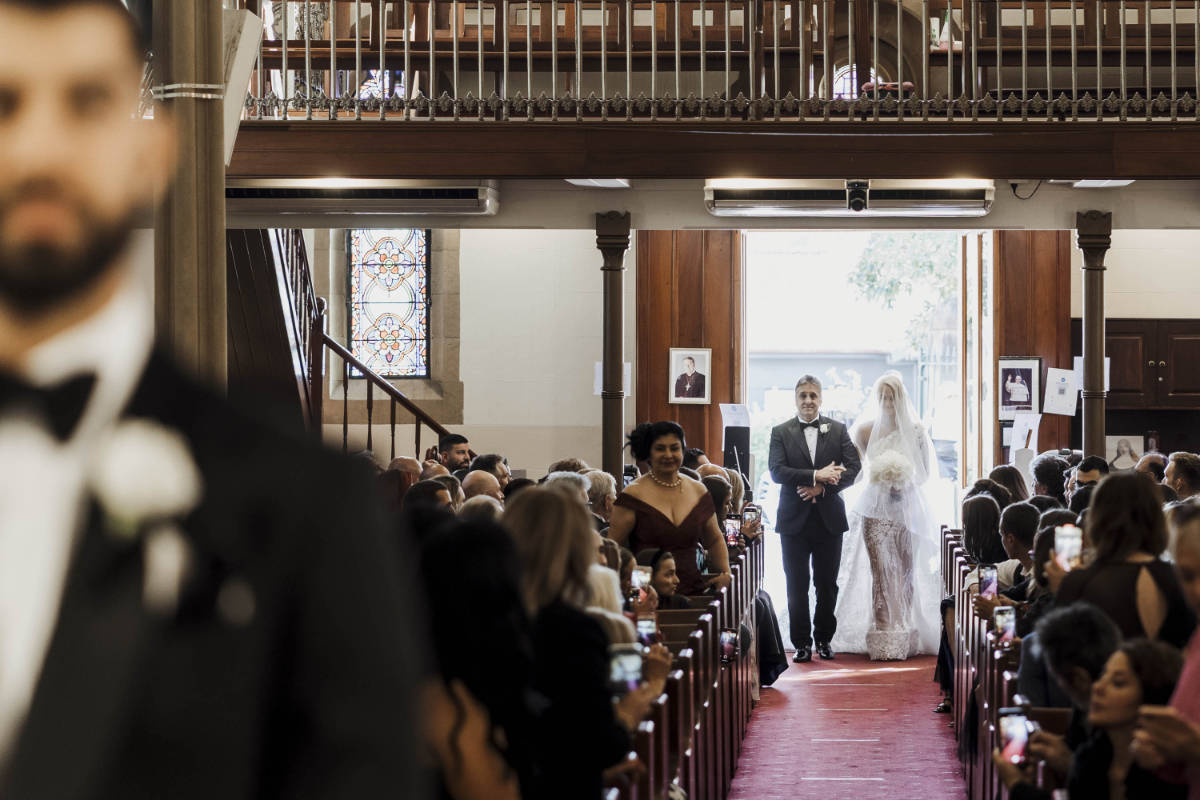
{"points": [[1093, 230], [189, 236], [612, 239]]}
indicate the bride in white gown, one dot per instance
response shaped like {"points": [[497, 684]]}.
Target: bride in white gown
{"points": [[890, 584]]}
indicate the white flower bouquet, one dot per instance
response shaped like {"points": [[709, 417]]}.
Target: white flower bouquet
{"points": [[891, 469]]}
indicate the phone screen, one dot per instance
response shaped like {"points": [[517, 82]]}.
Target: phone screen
{"points": [[750, 515], [624, 668], [641, 577], [647, 629], [989, 581], [1068, 546], [1005, 620], [733, 530], [1014, 737], [729, 645]]}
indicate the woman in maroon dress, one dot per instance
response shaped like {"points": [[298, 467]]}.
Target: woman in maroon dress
{"points": [[663, 509]]}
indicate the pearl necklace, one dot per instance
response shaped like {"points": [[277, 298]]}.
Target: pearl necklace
{"points": [[678, 481]]}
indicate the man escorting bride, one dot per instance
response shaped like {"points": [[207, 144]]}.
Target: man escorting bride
{"points": [[890, 567]]}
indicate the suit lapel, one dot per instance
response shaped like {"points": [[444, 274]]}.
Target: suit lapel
{"points": [[81, 697], [802, 444]]}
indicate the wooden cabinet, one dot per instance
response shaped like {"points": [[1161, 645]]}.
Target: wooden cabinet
{"points": [[1153, 363]]}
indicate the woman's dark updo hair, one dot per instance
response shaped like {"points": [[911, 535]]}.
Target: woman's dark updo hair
{"points": [[643, 437], [1157, 666]]}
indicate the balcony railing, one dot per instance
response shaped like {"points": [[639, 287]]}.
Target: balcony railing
{"points": [[787, 60]]}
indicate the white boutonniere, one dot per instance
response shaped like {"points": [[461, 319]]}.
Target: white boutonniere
{"points": [[824, 427], [145, 480]]}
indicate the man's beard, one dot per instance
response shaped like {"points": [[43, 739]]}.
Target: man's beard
{"points": [[37, 276]]}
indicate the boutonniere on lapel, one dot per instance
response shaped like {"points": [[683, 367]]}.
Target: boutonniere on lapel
{"points": [[824, 427], [145, 481]]}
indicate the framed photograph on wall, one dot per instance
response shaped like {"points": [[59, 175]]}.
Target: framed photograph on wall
{"points": [[1020, 386], [689, 380], [1122, 452]]}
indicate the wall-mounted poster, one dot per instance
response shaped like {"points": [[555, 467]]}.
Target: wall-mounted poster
{"points": [[1123, 452], [689, 379], [1020, 386]]}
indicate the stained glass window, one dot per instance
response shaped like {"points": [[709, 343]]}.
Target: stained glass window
{"points": [[389, 301]]}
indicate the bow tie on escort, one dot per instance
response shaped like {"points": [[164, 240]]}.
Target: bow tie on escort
{"points": [[62, 404]]}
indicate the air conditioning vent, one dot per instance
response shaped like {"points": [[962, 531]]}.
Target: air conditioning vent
{"points": [[320, 196], [848, 198]]}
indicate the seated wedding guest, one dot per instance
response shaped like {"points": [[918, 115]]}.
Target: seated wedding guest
{"points": [[494, 463], [393, 484], [1183, 474], [663, 509], [1018, 526], [694, 458], [481, 506], [1060, 661], [454, 487], [721, 492], [992, 489], [431, 494], [568, 465], [1124, 575], [1139, 672], [432, 469], [1168, 738], [194, 604], [1044, 503], [576, 484], [516, 485], [406, 464], [482, 483], [1166, 494], [582, 731], [606, 606], [689, 473], [602, 493], [1154, 465], [981, 532], [1011, 478], [480, 717], [664, 578], [1090, 471], [738, 498], [1049, 476], [704, 470], [1080, 498], [454, 452]]}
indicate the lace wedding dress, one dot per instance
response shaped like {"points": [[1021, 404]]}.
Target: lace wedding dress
{"points": [[889, 578]]}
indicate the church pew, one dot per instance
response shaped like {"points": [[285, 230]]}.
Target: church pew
{"points": [[678, 727], [646, 751]]}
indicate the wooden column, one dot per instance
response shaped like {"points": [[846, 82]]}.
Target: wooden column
{"points": [[189, 235], [612, 239], [1093, 232]]}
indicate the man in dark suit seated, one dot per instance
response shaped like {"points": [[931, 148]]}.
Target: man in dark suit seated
{"points": [[689, 383], [192, 605]]}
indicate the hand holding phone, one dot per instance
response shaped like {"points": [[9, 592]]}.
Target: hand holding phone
{"points": [[1005, 620], [1014, 737], [989, 581], [624, 668]]}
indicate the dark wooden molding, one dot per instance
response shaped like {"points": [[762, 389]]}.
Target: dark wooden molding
{"points": [[1008, 150]]}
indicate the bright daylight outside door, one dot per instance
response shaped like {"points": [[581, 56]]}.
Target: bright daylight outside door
{"points": [[848, 306]]}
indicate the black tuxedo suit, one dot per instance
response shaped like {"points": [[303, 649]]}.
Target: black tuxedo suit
{"points": [[811, 531], [296, 682]]}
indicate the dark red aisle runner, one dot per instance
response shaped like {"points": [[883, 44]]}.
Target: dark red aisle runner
{"points": [[850, 728]]}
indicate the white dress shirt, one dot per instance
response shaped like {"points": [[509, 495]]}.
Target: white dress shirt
{"points": [[810, 437], [42, 486]]}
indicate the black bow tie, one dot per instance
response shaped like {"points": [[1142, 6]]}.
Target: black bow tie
{"points": [[62, 404], [816, 423]]}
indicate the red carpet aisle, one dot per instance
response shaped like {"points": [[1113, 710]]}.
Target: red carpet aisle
{"points": [[850, 728]]}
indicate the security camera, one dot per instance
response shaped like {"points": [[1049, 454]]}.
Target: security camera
{"points": [[856, 195]]}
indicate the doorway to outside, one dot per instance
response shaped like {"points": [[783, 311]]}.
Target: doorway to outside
{"points": [[848, 306]]}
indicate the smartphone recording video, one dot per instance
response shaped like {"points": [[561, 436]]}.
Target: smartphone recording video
{"points": [[729, 645], [733, 530], [624, 668], [1005, 620], [1014, 737], [647, 629], [1068, 546], [989, 581], [642, 577]]}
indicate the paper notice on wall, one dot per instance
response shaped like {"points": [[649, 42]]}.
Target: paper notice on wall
{"points": [[1079, 372], [735, 415], [1024, 433], [1062, 392], [598, 378]]}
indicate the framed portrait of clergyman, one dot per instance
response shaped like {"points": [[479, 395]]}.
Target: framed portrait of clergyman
{"points": [[689, 381], [1020, 386]]}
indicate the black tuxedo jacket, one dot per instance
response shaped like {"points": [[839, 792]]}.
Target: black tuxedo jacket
{"points": [[791, 466], [304, 690], [682, 389]]}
